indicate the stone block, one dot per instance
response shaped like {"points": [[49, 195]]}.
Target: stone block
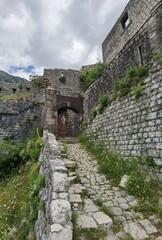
{"points": [[75, 198], [89, 206], [61, 233], [123, 182], [85, 221], [135, 230], [150, 229], [60, 182], [60, 211], [69, 164], [102, 219]]}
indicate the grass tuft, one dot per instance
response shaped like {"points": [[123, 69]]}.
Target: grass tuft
{"points": [[147, 188]]}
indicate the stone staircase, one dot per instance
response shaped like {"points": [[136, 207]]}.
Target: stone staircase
{"points": [[87, 186], [88, 214]]}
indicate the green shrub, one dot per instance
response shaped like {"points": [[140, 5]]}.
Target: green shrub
{"points": [[132, 78], [94, 113], [103, 102], [132, 73], [98, 202], [122, 86], [142, 72], [149, 160], [10, 158], [37, 82], [33, 146], [135, 74], [88, 76], [137, 91], [62, 79]]}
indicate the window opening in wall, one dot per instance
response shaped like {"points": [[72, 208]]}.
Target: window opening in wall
{"points": [[125, 21], [28, 89], [141, 55], [14, 90]]}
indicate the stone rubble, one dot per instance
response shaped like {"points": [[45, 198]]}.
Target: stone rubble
{"points": [[115, 198]]}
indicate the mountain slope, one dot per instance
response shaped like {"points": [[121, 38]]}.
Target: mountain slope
{"points": [[5, 77]]}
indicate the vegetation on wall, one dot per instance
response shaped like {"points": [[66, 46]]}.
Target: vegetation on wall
{"points": [[89, 76], [132, 78], [37, 81], [62, 79], [131, 84], [17, 96], [19, 186], [141, 184]]}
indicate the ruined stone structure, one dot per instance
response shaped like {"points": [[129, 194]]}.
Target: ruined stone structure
{"points": [[134, 40], [63, 107]]}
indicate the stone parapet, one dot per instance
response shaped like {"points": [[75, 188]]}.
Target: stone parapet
{"points": [[54, 222]]}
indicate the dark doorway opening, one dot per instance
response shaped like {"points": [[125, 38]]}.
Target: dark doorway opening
{"points": [[62, 122], [68, 122]]}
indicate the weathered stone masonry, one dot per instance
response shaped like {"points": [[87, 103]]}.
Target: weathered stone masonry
{"points": [[133, 126], [54, 222], [142, 30], [17, 118], [63, 101], [14, 88], [129, 125], [135, 45]]}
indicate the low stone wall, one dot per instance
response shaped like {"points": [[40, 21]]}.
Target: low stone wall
{"points": [[133, 126], [54, 223]]}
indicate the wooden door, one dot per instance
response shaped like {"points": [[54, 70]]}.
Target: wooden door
{"points": [[62, 125]]}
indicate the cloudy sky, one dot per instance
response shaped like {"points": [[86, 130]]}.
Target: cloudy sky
{"points": [[38, 34]]}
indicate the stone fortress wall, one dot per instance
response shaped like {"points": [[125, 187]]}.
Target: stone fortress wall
{"points": [[17, 118], [14, 88], [135, 40], [131, 126], [138, 18]]}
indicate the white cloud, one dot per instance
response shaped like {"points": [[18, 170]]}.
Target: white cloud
{"points": [[54, 33]]}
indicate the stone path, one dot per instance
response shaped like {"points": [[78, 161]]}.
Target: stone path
{"points": [[123, 222]]}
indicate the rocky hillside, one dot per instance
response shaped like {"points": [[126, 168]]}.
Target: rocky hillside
{"points": [[5, 77]]}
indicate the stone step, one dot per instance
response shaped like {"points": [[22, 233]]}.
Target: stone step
{"points": [[69, 140], [72, 179], [69, 164]]}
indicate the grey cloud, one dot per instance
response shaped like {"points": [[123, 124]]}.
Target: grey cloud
{"points": [[52, 33]]}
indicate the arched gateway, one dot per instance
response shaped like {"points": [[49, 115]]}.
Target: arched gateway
{"points": [[63, 105]]}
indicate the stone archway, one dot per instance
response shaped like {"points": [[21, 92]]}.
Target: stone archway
{"points": [[69, 112]]}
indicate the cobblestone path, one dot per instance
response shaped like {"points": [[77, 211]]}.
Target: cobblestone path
{"points": [[123, 222]]}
